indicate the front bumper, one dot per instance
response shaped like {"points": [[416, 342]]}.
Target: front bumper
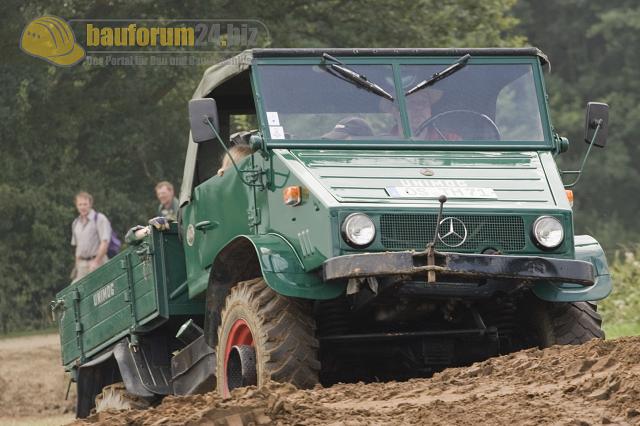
{"points": [[465, 266]]}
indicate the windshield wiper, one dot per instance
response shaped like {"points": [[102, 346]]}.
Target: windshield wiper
{"points": [[354, 77], [457, 66]]}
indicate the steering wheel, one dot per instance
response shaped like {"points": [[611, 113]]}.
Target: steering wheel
{"points": [[431, 122]]}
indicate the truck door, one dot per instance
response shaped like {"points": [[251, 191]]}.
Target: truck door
{"points": [[217, 213]]}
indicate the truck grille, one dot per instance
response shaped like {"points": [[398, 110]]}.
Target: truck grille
{"points": [[414, 231]]}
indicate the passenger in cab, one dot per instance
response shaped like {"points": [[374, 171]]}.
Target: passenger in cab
{"points": [[237, 152], [349, 128]]}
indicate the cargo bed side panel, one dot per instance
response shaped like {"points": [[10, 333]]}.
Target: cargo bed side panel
{"points": [[129, 294]]}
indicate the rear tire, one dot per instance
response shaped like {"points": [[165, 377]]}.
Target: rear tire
{"points": [[280, 329], [116, 398], [566, 323]]}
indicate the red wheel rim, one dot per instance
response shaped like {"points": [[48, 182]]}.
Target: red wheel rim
{"points": [[240, 334]]}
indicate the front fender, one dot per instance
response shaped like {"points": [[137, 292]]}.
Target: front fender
{"points": [[589, 250], [284, 272]]}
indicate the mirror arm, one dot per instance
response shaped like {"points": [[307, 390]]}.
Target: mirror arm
{"points": [[235, 166], [584, 159]]}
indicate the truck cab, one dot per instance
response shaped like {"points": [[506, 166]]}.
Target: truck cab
{"points": [[388, 183]]}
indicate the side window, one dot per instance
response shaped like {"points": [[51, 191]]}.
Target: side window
{"points": [[207, 161], [236, 112], [211, 154], [243, 122]]}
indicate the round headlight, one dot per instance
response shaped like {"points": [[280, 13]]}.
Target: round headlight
{"points": [[548, 232], [358, 230]]}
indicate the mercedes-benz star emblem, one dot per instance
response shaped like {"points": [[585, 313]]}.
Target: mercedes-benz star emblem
{"points": [[452, 232]]}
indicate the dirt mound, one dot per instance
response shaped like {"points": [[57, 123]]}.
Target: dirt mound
{"points": [[596, 383]]}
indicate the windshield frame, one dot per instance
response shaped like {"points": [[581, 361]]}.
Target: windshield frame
{"points": [[407, 142]]}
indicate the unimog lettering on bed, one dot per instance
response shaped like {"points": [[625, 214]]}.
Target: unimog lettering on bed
{"points": [[102, 295], [400, 211]]}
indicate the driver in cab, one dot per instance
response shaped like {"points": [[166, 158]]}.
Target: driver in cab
{"points": [[419, 106], [419, 110]]}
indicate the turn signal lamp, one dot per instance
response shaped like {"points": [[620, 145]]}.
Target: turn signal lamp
{"points": [[569, 196], [292, 195]]}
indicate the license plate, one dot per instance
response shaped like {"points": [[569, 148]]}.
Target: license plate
{"points": [[423, 192]]}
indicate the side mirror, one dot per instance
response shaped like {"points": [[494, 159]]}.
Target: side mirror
{"points": [[597, 113], [199, 111]]}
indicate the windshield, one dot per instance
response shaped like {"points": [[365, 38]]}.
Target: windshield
{"points": [[311, 102], [493, 102]]}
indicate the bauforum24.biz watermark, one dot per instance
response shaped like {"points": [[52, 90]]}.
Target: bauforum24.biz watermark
{"points": [[139, 42]]}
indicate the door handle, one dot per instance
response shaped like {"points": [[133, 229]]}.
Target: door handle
{"points": [[206, 225]]}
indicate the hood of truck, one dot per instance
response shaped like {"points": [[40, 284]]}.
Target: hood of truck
{"points": [[478, 179]]}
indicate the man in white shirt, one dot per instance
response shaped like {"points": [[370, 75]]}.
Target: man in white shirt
{"points": [[90, 235]]}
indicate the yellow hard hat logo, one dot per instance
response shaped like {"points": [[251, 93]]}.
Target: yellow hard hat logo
{"points": [[50, 38]]}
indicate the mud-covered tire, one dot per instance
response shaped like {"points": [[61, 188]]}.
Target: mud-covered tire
{"points": [[566, 323], [116, 398], [283, 335]]}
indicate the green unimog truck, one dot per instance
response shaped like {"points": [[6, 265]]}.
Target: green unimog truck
{"points": [[399, 211]]}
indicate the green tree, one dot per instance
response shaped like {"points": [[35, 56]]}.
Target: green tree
{"points": [[592, 47]]}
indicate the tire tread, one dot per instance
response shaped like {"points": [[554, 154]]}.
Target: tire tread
{"points": [[568, 323], [290, 348]]}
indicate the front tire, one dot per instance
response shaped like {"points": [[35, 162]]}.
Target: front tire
{"points": [[566, 323], [276, 332]]}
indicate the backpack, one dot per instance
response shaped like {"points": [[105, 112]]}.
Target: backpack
{"points": [[114, 243]]}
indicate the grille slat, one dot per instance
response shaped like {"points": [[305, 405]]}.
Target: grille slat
{"points": [[414, 231]]}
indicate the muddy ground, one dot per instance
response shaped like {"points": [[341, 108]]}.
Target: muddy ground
{"points": [[596, 383], [32, 382]]}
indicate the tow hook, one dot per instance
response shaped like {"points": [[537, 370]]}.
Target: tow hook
{"points": [[431, 247]]}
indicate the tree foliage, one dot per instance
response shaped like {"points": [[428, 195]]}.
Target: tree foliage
{"points": [[592, 47], [117, 130], [620, 309]]}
